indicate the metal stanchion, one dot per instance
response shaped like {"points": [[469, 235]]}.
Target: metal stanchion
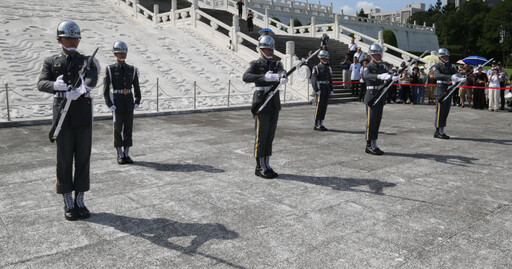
{"points": [[229, 90], [157, 93], [7, 100], [195, 94]]}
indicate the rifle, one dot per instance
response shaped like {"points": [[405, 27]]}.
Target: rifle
{"points": [[64, 106], [454, 87], [260, 104], [384, 88]]}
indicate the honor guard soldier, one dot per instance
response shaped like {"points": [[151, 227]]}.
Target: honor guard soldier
{"points": [[321, 80], [374, 74], [58, 74], [265, 72], [123, 78], [446, 74]]}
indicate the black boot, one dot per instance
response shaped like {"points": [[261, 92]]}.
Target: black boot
{"points": [[82, 210], [70, 211]]}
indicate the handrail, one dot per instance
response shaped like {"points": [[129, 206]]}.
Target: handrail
{"points": [[218, 22]]}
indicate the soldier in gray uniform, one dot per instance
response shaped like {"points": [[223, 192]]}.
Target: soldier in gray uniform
{"points": [[446, 74], [120, 101], [58, 74], [321, 80], [374, 74], [265, 72]]}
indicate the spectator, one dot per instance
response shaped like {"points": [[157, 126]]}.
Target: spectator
{"points": [[355, 76], [415, 89], [465, 93], [423, 81], [494, 95], [503, 79], [362, 86], [249, 18], [352, 47], [240, 5], [405, 78], [324, 40], [345, 65], [391, 96], [359, 55], [479, 80], [431, 80]]}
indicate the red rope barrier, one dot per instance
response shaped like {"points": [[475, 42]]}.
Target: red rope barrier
{"points": [[433, 85]]}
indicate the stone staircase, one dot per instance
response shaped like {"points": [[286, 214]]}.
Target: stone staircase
{"points": [[303, 45]]}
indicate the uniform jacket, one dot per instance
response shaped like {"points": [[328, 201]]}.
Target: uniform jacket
{"points": [[80, 110], [121, 77], [443, 72], [256, 73], [321, 78], [370, 73]]}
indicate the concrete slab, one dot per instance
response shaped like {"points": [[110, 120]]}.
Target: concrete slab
{"points": [[191, 198]]}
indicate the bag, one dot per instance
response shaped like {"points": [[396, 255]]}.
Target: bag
{"points": [[508, 96]]}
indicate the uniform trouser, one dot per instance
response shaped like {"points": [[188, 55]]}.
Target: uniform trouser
{"points": [[321, 105], [124, 125], [73, 142], [442, 110], [265, 128], [373, 118]]}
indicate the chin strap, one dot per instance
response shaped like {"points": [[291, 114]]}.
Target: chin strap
{"points": [[69, 49], [121, 60], [375, 60], [266, 57]]}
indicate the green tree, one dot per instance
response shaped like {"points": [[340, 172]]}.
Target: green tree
{"points": [[496, 41], [390, 38], [362, 14]]}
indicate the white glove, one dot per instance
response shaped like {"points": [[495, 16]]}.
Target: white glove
{"points": [[384, 76], [395, 78], [72, 95], [271, 77], [317, 93], [463, 79], [59, 85], [136, 106], [112, 108], [455, 78], [332, 93], [284, 80]]}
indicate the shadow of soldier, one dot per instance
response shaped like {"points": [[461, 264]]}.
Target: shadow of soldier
{"points": [[375, 186], [342, 184], [179, 167], [445, 158], [485, 140], [160, 231]]}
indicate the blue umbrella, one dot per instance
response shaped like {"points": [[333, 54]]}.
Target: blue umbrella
{"points": [[474, 60]]}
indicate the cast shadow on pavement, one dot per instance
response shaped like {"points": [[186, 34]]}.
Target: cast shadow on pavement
{"points": [[445, 158], [179, 167], [342, 184], [160, 231], [356, 132], [484, 140], [347, 184]]}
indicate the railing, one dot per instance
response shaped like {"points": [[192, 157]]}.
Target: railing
{"points": [[159, 100]]}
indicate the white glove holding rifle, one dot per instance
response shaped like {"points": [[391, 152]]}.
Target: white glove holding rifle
{"points": [[271, 77], [384, 76], [456, 79], [59, 85]]}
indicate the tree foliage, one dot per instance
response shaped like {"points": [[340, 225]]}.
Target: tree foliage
{"points": [[473, 28], [390, 38]]}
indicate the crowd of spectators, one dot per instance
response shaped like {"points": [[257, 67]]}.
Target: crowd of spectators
{"points": [[415, 85]]}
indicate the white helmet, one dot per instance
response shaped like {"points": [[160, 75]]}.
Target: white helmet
{"points": [[443, 52], [323, 54], [267, 42], [68, 29], [120, 47], [375, 49]]}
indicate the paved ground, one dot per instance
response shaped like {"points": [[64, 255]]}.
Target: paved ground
{"points": [[191, 199]]}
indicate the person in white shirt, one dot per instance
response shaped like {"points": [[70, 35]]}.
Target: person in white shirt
{"points": [[352, 48], [494, 94], [355, 68]]}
